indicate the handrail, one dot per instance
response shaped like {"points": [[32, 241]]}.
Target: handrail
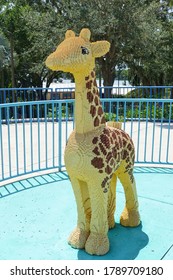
{"points": [[33, 134], [132, 100]]}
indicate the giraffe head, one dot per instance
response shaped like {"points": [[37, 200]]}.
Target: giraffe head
{"points": [[76, 54]]}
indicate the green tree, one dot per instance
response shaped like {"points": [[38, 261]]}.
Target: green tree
{"points": [[4, 58], [134, 29], [11, 23], [47, 31], [152, 63], [140, 33]]}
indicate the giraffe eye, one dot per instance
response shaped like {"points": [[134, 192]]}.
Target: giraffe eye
{"points": [[84, 50]]}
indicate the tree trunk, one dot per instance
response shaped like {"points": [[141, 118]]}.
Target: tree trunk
{"points": [[12, 61], [2, 78], [108, 74], [12, 67]]}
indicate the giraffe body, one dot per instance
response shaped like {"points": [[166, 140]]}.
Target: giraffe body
{"points": [[96, 154]]}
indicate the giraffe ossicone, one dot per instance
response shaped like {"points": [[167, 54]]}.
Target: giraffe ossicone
{"points": [[96, 153]]}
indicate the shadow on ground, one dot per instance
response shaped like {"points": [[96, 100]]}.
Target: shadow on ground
{"points": [[33, 182], [125, 244]]}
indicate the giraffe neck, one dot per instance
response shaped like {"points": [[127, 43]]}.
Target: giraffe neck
{"points": [[89, 114]]}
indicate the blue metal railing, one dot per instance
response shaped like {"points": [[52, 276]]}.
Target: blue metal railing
{"points": [[136, 92], [33, 134], [34, 142], [8, 95]]}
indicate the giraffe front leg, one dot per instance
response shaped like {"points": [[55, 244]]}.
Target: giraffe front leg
{"points": [[79, 235], [112, 201], [98, 242]]}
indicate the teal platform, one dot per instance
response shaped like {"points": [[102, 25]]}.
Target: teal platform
{"points": [[38, 214]]}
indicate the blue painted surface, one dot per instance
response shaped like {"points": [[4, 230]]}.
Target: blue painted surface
{"points": [[38, 214]]}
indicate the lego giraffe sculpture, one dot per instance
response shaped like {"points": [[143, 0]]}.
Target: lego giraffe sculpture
{"points": [[96, 154]]}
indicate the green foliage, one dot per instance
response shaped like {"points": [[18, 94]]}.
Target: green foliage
{"points": [[140, 33], [4, 51], [110, 116], [153, 111], [149, 93]]}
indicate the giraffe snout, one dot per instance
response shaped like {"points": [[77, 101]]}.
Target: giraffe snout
{"points": [[58, 61], [51, 62], [54, 61]]}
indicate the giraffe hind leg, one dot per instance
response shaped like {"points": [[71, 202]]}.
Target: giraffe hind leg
{"points": [[130, 215]]}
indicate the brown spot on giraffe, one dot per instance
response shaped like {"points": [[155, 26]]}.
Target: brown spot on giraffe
{"points": [[129, 146], [95, 140], [124, 142], [100, 111], [102, 148], [111, 140], [97, 162], [107, 131], [105, 140], [124, 135], [108, 169], [127, 159], [109, 157], [90, 96], [117, 146], [93, 110], [114, 152], [114, 135], [118, 132], [103, 120], [96, 151], [94, 91], [96, 100], [96, 121], [120, 142], [95, 83], [132, 155], [89, 84], [105, 182], [92, 74]]}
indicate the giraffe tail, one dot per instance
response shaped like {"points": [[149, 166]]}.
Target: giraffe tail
{"points": [[114, 124]]}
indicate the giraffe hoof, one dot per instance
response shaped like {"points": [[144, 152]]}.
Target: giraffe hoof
{"points": [[77, 238], [97, 244], [111, 223], [130, 218]]}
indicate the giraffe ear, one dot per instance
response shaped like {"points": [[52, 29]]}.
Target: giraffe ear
{"points": [[69, 33], [100, 48], [85, 34]]}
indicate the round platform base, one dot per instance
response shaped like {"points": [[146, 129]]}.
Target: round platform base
{"points": [[38, 214]]}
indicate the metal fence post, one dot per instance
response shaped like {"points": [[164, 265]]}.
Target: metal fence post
{"points": [[60, 134]]}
